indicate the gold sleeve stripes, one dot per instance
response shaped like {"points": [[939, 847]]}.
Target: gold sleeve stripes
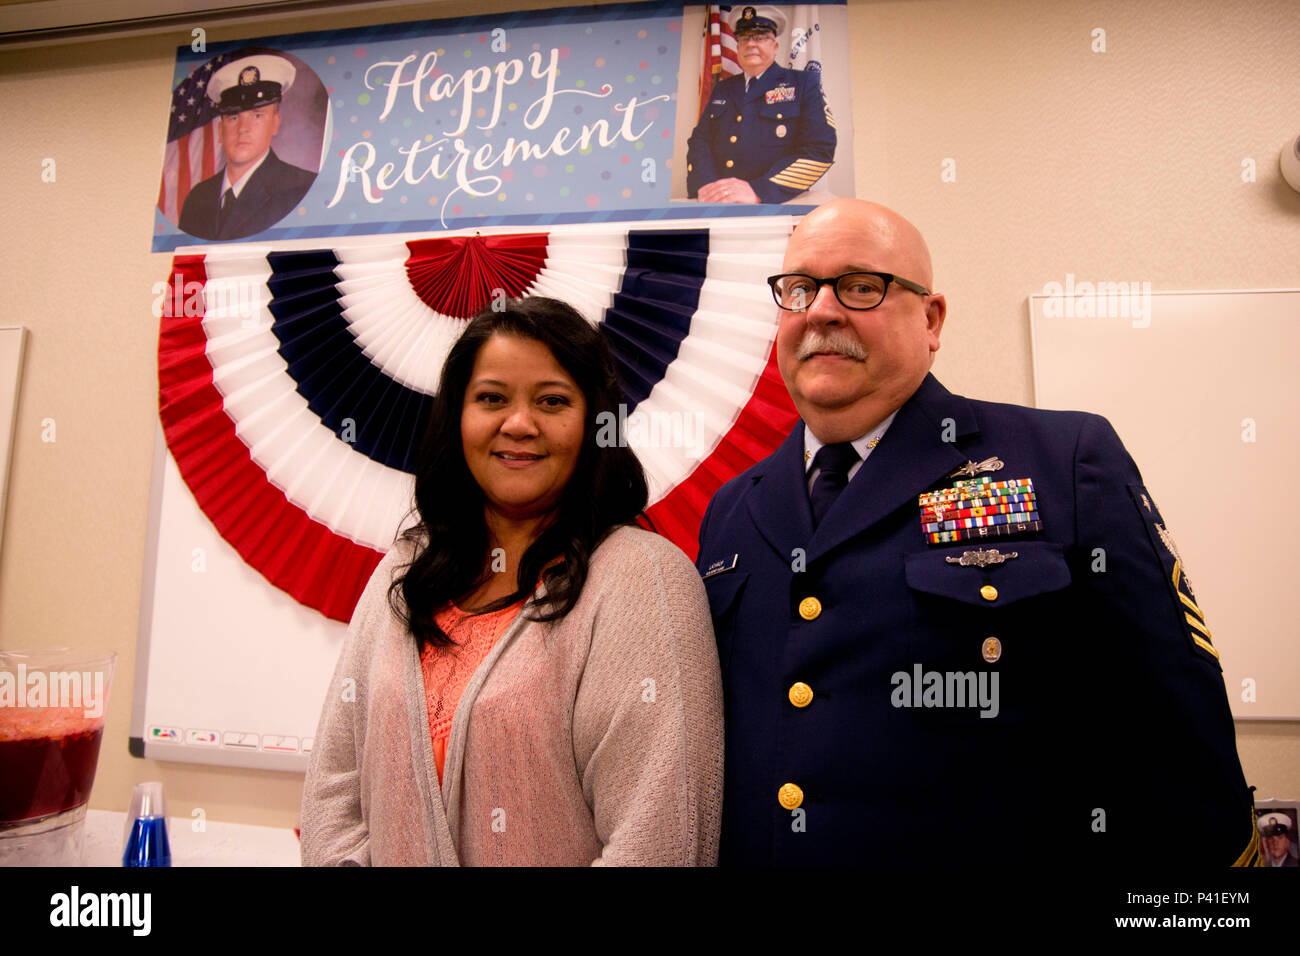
{"points": [[830, 120], [1251, 855], [801, 174], [1194, 615]]}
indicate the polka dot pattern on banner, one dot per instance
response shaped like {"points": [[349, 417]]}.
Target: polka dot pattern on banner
{"points": [[428, 126]]}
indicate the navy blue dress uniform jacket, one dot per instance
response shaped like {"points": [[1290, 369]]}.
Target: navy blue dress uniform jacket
{"points": [[779, 136], [1112, 741], [271, 193]]}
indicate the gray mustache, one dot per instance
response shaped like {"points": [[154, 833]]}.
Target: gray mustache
{"points": [[817, 341]]}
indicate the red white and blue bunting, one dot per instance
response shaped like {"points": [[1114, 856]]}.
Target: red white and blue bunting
{"points": [[294, 384]]}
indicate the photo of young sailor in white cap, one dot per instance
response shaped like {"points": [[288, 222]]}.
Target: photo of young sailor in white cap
{"points": [[1277, 833], [255, 189]]}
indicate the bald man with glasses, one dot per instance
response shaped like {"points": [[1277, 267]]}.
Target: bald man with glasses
{"points": [[923, 599]]}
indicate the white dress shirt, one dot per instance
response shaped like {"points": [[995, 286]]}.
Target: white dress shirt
{"points": [[862, 446], [243, 180]]}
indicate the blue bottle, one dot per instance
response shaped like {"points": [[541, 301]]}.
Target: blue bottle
{"points": [[146, 837]]}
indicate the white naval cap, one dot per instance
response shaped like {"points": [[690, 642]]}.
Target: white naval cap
{"points": [[758, 20], [1273, 824], [250, 82]]}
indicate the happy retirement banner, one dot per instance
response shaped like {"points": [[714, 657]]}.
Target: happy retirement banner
{"points": [[528, 118], [538, 117]]}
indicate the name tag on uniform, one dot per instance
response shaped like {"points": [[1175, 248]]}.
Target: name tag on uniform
{"points": [[721, 566], [780, 94], [717, 102]]}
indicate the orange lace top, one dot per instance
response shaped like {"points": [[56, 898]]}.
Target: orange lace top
{"points": [[447, 669]]}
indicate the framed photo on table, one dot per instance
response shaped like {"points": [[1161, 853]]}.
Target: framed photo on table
{"points": [[1278, 821]]}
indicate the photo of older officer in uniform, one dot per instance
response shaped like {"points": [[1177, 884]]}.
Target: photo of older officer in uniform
{"points": [[255, 189], [920, 597], [766, 135]]}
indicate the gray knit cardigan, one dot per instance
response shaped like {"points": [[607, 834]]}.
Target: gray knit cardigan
{"points": [[596, 739]]}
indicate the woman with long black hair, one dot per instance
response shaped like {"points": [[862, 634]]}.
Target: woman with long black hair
{"points": [[529, 678]]}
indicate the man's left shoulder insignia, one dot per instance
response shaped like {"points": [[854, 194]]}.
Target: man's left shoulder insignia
{"points": [[1167, 540], [1175, 568]]}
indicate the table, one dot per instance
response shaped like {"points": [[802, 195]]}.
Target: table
{"points": [[218, 844]]}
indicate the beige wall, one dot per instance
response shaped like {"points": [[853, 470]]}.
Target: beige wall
{"points": [[1124, 165]]}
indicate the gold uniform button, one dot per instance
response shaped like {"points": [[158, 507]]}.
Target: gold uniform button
{"points": [[730, 163], [989, 592], [789, 796], [801, 694], [737, 119], [733, 139], [690, 168], [992, 649], [780, 116], [810, 608]]}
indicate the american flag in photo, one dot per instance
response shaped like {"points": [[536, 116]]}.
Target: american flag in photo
{"points": [[193, 140], [719, 52]]}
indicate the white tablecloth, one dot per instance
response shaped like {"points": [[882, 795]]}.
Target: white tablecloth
{"points": [[219, 844]]}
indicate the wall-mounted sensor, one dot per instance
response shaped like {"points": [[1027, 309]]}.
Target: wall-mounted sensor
{"points": [[1290, 162]]}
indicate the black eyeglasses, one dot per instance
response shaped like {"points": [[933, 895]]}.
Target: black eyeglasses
{"points": [[794, 291]]}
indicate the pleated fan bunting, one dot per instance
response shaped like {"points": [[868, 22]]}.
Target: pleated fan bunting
{"points": [[295, 385]]}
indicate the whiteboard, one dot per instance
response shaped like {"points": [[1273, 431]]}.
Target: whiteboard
{"points": [[229, 670], [1202, 390]]}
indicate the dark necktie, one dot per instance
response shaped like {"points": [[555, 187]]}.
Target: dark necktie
{"points": [[834, 462], [227, 206]]}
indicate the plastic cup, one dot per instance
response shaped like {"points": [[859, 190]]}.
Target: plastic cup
{"points": [[52, 707]]}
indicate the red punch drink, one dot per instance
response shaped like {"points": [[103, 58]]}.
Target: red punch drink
{"points": [[47, 766], [52, 705]]}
